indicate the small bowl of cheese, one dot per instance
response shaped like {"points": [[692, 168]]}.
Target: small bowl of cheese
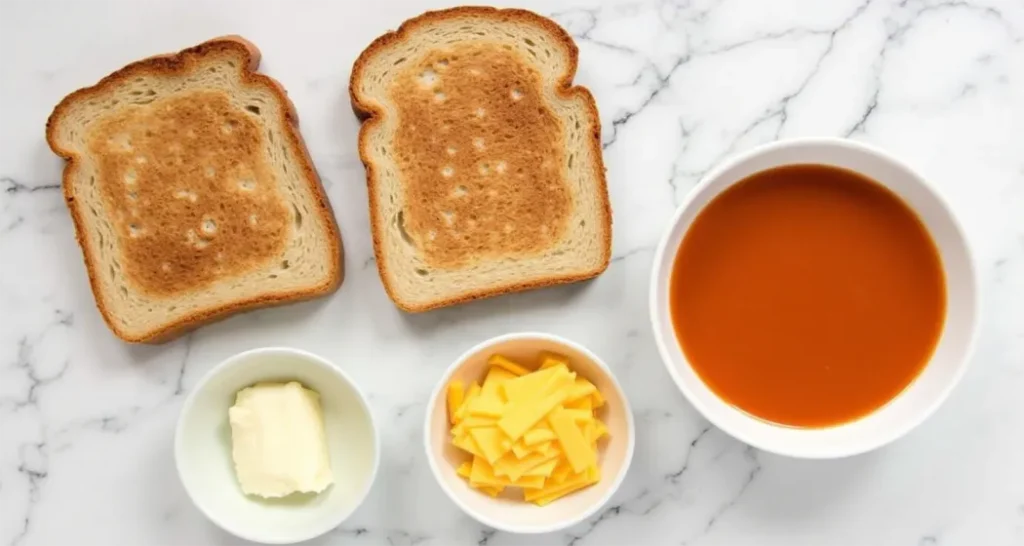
{"points": [[529, 433], [276, 445]]}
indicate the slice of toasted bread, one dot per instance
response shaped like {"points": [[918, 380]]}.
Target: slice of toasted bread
{"points": [[483, 162], [192, 193]]}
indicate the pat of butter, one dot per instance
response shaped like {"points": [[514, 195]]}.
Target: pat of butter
{"points": [[278, 441]]}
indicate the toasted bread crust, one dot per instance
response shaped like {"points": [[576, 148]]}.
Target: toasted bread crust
{"points": [[175, 64], [564, 88]]}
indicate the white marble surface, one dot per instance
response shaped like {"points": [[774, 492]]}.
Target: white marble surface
{"points": [[86, 422]]}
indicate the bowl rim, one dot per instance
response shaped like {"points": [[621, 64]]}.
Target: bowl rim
{"points": [[666, 349], [524, 530], [236, 360]]}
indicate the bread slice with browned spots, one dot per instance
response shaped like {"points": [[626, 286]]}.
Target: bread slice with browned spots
{"points": [[192, 193], [483, 161]]}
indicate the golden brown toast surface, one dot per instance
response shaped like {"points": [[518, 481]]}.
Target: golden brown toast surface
{"points": [[187, 186], [481, 155], [563, 219], [219, 261]]}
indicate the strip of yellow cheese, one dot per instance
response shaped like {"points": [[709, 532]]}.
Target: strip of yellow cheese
{"points": [[544, 496], [548, 448], [522, 415], [488, 439], [520, 450], [466, 469], [585, 403], [506, 364], [492, 383], [561, 472], [548, 359], [487, 405], [473, 421], [544, 448], [471, 394], [514, 468], [596, 430], [543, 469], [483, 474], [537, 435], [467, 444], [492, 490], [589, 431], [598, 399], [574, 445], [456, 395], [581, 388], [571, 483], [580, 416], [532, 385]]}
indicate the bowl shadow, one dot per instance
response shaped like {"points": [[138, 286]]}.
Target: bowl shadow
{"points": [[549, 298]]}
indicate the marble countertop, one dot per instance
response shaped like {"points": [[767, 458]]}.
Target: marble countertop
{"points": [[87, 422]]}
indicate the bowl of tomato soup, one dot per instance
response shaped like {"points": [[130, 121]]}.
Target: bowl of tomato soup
{"points": [[814, 298]]}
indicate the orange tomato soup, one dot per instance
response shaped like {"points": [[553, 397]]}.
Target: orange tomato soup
{"points": [[807, 295]]}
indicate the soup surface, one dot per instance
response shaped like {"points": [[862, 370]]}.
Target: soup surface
{"points": [[807, 295]]}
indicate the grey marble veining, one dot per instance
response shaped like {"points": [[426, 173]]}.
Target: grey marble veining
{"points": [[86, 422]]}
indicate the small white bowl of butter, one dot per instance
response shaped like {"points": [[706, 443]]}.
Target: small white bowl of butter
{"points": [[300, 425]]}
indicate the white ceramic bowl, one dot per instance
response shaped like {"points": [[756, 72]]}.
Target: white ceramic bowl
{"points": [[202, 448], [917, 401], [517, 516]]}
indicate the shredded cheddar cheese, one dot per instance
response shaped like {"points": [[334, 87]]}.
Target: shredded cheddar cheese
{"points": [[533, 430]]}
